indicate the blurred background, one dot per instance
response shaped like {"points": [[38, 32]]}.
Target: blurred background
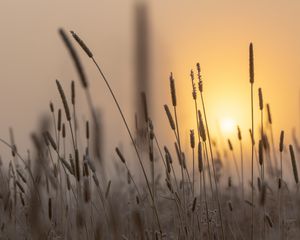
{"points": [[143, 41]]}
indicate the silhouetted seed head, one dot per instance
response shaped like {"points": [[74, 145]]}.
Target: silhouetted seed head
{"points": [[170, 118], [261, 102], [59, 120], [194, 204], [269, 220], [281, 141], [51, 140], [128, 178], [294, 164], [192, 139], [279, 183], [50, 209], [269, 114], [64, 100], [194, 92], [263, 194], [21, 176], [68, 182], [168, 162], [183, 160], [200, 158], [63, 131], [168, 153], [107, 189], [151, 129], [20, 186], [82, 44], [202, 127], [96, 181], [259, 184], [77, 165], [67, 165], [173, 90], [251, 63], [229, 182], [200, 84], [145, 108], [230, 145], [73, 92], [230, 206], [151, 154], [252, 138], [120, 155], [75, 58], [260, 152], [239, 133], [87, 130], [169, 185], [51, 107]]}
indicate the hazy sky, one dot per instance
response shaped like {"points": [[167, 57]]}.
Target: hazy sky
{"points": [[215, 33]]}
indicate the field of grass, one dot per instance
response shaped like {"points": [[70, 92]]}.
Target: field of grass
{"points": [[62, 192]]}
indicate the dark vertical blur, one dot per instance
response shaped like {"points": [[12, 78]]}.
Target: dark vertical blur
{"points": [[141, 64]]}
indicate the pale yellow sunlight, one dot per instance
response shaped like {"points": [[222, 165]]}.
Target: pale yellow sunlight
{"points": [[228, 125]]}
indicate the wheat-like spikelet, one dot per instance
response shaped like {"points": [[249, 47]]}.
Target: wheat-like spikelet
{"points": [[87, 130], [230, 206], [170, 118], [120, 155], [64, 100], [260, 97], [82, 44], [51, 140], [269, 220], [192, 139], [269, 114], [201, 126], [294, 164], [194, 204], [50, 209], [73, 93], [230, 145], [107, 189], [200, 157], [77, 165], [194, 91], [239, 133], [173, 90], [75, 58], [200, 83], [251, 63], [59, 120], [51, 107], [260, 152], [281, 143]]}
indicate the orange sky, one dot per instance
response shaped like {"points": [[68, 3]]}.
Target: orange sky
{"points": [[215, 33]]}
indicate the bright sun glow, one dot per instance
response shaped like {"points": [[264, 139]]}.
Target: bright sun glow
{"points": [[228, 125]]}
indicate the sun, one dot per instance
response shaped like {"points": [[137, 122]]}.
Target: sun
{"points": [[227, 125]]}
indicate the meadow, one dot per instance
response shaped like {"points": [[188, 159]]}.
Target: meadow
{"points": [[61, 189]]}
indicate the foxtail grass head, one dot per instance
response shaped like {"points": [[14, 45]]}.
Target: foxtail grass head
{"points": [[251, 63]]}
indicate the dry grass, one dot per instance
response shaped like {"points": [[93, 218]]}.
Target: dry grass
{"points": [[63, 192]]}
